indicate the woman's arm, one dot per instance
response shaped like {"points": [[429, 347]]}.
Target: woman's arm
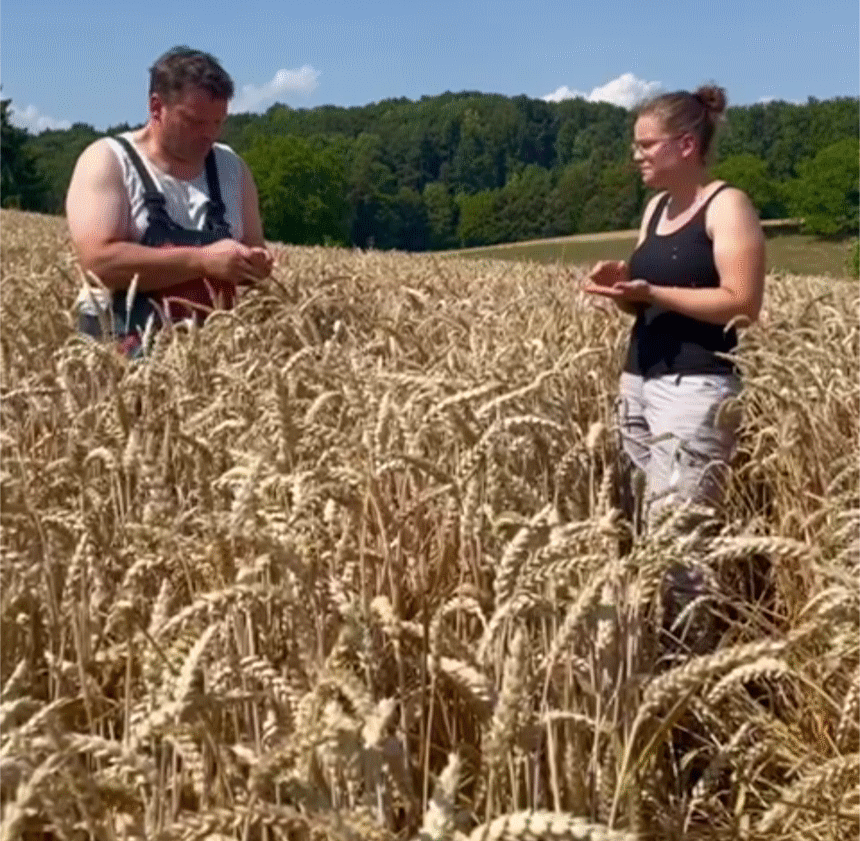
{"points": [[626, 306], [739, 255], [607, 273]]}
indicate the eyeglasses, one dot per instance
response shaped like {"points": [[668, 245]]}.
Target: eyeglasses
{"points": [[650, 143]]}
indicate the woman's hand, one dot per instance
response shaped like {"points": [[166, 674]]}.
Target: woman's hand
{"points": [[607, 273], [611, 279], [629, 291]]}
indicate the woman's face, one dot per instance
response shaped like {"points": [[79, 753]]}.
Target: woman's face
{"points": [[656, 152]]}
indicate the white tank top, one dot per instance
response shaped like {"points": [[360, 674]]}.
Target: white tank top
{"points": [[185, 202]]}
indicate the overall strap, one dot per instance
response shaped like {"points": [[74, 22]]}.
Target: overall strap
{"points": [[151, 194], [156, 204], [216, 209]]}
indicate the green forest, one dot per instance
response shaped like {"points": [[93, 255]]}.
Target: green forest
{"points": [[468, 169]]}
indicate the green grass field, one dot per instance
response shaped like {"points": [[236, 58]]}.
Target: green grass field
{"points": [[790, 253]]}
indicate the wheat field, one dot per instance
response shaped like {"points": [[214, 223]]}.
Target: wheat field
{"points": [[349, 562]]}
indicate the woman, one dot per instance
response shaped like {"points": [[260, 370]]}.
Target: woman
{"points": [[698, 266]]}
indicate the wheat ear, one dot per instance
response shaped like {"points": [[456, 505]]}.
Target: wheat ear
{"points": [[550, 826]]}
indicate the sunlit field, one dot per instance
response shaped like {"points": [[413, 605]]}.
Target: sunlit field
{"points": [[350, 562]]}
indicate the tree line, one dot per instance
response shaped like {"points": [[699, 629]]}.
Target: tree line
{"points": [[467, 169]]}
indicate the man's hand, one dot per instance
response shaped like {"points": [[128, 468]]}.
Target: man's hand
{"points": [[230, 260], [263, 260]]}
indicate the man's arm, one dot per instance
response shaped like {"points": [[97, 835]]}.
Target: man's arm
{"points": [[252, 224], [97, 212], [251, 221]]}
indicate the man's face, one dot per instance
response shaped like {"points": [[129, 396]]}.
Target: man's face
{"points": [[188, 123]]}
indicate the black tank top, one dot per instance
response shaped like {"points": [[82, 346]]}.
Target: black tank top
{"points": [[663, 341]]}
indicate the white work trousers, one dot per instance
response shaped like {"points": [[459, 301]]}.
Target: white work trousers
{"points": [[669, 430]]}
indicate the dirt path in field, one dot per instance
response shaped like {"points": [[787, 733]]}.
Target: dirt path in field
{"points": [[597, 237], [605, 235]]}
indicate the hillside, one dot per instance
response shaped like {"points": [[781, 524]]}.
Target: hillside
{"points": [[471, 169]]}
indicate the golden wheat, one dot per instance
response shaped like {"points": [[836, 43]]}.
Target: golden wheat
{"points": [[349, 561]]}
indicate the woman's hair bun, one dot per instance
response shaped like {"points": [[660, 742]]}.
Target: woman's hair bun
{"points": [[712, 97]]}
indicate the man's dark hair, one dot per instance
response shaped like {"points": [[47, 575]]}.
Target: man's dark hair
{"points": [[181, 67]]}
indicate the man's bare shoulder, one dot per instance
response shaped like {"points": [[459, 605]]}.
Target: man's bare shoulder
{"points": [[225, 151], [98, 165], [229, 157], [96, 200], [100, 150]]}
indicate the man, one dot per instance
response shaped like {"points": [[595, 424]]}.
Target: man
{"points": [[168, 205]]}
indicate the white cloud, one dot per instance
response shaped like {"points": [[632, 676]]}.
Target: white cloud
{"points": [[625, 91], [766, 99], [564, 92], [301, 81], [29, 118]]}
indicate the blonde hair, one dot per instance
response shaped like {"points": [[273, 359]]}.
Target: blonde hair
{"points": [[697, 113]]}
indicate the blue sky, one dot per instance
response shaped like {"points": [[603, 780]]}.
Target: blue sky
{"points": [[87, 60]]}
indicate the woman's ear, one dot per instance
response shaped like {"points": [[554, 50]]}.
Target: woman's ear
{"points": [[689, 145]]}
